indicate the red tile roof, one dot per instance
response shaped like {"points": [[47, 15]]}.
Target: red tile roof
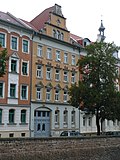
{"points": [[39, 21]]}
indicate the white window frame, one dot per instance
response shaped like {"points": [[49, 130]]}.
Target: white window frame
{"points": [[49, 53], [57, 116], [28, 45], [57, 95], [48, 94], [57, 75], [39, 71], [12, 36], [65, 96], [39, 50], [4, 46], [39, 93], [27, 68], [65, 57], [58, 55], [26, 97], [65, 117], [73, 60], [65, 76], [48, 73], [73, 77]]}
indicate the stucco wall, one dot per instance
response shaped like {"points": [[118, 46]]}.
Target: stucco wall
{"points": [[92, 148]]}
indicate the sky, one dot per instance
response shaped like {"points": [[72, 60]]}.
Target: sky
{"points": [[83, 17]]}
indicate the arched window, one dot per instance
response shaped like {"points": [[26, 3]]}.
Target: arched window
{"points": [[54, 33], [65, 117], [57, 117], [23, 116], [11, 115], [73, 117]]}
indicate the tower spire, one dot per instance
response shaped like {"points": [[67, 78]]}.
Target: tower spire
{"points": [[101, 29]]}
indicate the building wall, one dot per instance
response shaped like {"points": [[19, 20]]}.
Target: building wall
{"points": [[16, 129]]}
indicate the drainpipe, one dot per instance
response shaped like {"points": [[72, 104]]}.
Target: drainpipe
{"points": [[31, 49]]}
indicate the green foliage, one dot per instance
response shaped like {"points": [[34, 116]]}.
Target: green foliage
{"points": [[3, 58], [97, 90]]}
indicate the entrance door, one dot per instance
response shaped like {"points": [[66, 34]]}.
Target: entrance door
{"points": [[42, 124]]}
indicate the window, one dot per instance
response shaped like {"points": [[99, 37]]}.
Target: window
{"points": [[11, 135], [54, 33], [24, 68], [65, 58], [39, 71], [56, 117], [58, 56], [58, 36], [12, 90], [1, 89], [14, 43], [57, 92], [13, 65], [73, 60], [48, 97], [38, 93], [48, 74], [0, 116], [2, 40], [65, 117], [65, 96], [62, 36], [39, 51], [73, 77], [24, 92], [22, 134], [11, 115], [89, 121], [84, 121], [25, 46], [73, 117], [23, 116], [65, 76], [57, 75], [49, 53]]}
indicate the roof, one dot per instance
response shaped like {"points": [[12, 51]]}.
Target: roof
{"points": [[9, 18], [39, 21]]}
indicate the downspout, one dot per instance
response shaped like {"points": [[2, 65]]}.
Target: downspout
{"points": [[31, 58]]}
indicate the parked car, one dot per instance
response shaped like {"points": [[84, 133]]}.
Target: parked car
{"points": [[113, 133], [70, 133]]}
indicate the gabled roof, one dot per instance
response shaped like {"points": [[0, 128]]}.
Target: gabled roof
{"points": [[39, 21], [75, 37], [9, 18]]}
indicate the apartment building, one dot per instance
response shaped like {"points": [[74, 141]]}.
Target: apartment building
{"points": [[41, 67], [15, 84]]}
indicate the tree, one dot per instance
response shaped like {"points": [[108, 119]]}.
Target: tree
{"points": [[96, 92], [3, 58]]}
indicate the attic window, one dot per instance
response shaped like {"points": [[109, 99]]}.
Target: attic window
{"points": [[58, 22]]}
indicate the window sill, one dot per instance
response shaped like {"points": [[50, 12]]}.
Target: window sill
{"points": [[23, 124], [11, 124]]}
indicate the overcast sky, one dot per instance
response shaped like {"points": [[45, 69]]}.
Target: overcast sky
{"points": [[83, 16]]}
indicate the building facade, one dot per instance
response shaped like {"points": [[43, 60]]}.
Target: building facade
{"points": [[15, 84], [41, 67]]}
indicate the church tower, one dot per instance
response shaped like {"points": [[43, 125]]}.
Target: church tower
{"points": [[100, 36]]}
